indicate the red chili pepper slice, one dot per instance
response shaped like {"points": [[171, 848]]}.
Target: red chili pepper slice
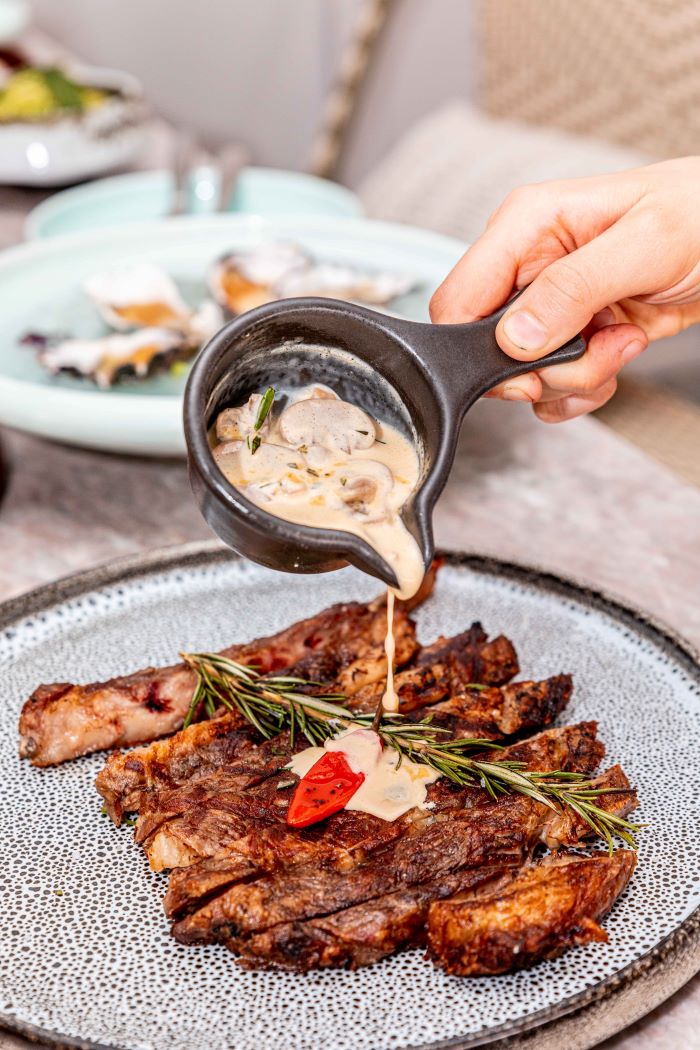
{"points": [[324, 790]]}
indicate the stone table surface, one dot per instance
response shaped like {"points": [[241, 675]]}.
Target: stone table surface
{"points": [[574, 499]]}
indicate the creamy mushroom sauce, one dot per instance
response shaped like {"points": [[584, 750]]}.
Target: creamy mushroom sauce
{"points": [[387, 791], [324, 462]]}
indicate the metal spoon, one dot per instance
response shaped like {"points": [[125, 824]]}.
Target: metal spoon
{"points": [[231, 160], [183, 151], [422, 378]]}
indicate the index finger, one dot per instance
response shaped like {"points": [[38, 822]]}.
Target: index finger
{"points": [[516, 240], [536, 226]]}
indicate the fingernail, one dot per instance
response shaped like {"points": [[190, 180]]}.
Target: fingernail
{"points": [[523, 329], [632, 350], [515, 393]]}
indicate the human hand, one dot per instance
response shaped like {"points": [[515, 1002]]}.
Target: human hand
{"points": [[615, 256]]}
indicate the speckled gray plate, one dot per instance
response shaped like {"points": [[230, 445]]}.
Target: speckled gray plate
{"points": [[85, 956]]}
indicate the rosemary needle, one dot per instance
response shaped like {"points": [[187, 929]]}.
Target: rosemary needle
{"points": [[264, 408]]}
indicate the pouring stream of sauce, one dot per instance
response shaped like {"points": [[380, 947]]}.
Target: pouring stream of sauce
{"points": [[390, 700]]}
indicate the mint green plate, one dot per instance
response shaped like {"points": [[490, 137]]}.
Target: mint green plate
{"points": [[40, 290], [145, 196]]}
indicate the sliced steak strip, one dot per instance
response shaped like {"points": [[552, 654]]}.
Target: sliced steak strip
{"points": [[61, 721], [163, 765], [502, 711], [445, 669], [473, 658], [216, 811], [498, 834], [416, 687], [571, 749], [549, 907], [340, 842], [367, 933]]}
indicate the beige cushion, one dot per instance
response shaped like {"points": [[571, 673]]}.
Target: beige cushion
{"points": [[623, 70], [453, 169]]}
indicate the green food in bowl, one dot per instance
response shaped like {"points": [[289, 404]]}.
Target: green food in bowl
{"points": [[35, 94]]}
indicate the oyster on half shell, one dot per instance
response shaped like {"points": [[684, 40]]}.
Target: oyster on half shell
{"points": [[138, 295], [244, 279], [111, 357], [152, 328]]}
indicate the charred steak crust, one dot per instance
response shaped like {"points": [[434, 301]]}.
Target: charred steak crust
{"points": [[547, 908], [498, 712], [366, 933]]}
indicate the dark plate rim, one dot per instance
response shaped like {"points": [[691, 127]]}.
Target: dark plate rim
{"points": [[674, 960]]}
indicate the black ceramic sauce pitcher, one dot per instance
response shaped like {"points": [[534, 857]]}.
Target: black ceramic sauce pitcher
{"points": [[421, 378]]}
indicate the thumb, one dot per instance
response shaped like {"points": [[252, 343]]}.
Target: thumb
{"points": [[563, 298]]}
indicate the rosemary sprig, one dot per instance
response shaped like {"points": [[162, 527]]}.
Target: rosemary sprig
{"points": [[264, 407], [263, 412], [275, 703]]}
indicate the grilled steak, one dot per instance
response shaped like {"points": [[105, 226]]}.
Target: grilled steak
{"points": [[305, 891], [499, 834], [203, 815], [339, 842], [62, 721], [381, 878], [215, 813], [208, 746], [366, 933], [573, 749], [546, 909]]}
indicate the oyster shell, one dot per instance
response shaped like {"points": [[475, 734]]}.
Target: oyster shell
{"points": [[205, 321], [154, 327], [140, 295], [110, 357], [242, 280]]}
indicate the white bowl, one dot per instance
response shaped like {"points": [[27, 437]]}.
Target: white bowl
{"points": [[14, 18], [41, 290], [145, 196], [70, 147]]}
